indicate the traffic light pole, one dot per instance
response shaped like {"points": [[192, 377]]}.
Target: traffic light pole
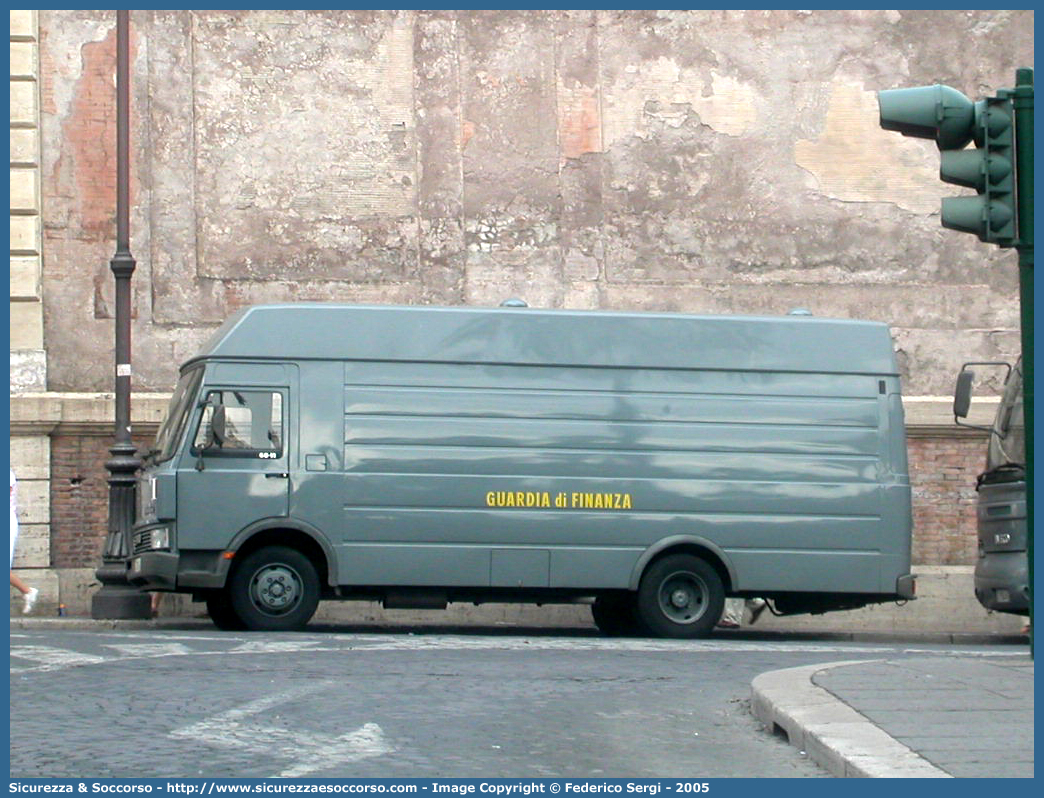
{"points": [[1022, 100]]}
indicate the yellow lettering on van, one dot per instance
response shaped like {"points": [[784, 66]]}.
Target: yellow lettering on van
{"points": [[600, 501], [518, 498], [581, 500]]}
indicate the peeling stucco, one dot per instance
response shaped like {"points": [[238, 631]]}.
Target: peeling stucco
{"points": [[700, 161], [850, 159]]}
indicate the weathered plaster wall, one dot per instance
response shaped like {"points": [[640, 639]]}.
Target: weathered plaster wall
{"points": [[698, 161]]}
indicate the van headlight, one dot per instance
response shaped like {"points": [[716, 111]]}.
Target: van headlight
{"points": [[147, 499], [160, 538]]}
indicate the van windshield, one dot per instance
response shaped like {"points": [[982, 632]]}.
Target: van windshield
{"points": [[174, 425], [1008, 446]]}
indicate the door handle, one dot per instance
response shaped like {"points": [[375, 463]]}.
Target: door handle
{"points": [[277, 475]]}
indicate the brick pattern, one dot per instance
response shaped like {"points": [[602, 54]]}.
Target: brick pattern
{"points": [[80, 498], [942, 473]]}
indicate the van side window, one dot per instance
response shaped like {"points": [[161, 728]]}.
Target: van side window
{"points": [[241, 423]]}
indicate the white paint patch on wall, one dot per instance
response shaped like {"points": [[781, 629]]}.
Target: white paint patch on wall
{"points": [[854, 160], [724, 103]]}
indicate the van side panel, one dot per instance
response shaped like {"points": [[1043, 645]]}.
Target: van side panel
{"points": [[317, 478], [530, 476]]}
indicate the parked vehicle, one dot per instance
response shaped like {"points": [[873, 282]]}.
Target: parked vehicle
{"points": [[1001, 570], [649, 464]]}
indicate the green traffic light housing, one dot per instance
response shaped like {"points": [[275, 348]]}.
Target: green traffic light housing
{"points": [[969, 168], [952, 121], [989, 170], [929, 112]]}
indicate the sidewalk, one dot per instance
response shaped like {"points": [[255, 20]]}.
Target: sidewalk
{"points": [[939, 717]]}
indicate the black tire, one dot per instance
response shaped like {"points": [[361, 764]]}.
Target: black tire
{"points": [[615, 615], [274, 589], [219, 608], [680, 596]]}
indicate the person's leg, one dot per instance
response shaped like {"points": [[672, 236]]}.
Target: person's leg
{"points": [[18, 584], [732, 615], [29, 594]]}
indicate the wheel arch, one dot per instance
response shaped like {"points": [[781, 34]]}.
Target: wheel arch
{"points": [[281, 532], [686, 544]]}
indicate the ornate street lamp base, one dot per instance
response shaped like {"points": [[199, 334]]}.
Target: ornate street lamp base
{"points": [[120, 602], [118, 599]]}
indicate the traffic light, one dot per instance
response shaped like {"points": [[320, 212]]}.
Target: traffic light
{"points": [[1000, 168], [952, 120]]}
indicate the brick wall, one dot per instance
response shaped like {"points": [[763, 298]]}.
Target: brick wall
{"points": [[79, 498], [942, 475]]}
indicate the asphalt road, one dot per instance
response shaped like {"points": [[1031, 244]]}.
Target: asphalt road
{"points": [[398, 704]]}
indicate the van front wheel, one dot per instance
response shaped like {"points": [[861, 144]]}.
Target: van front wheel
{"points": [[275, 589], [680, 596], [219, 608]]}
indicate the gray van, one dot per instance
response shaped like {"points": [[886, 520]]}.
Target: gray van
{"points": [[648, 464], [1002, 565]]}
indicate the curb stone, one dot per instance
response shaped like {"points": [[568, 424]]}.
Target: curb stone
{"points": [[833, 734]]}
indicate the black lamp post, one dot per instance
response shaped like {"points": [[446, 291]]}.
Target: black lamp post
{"points": [[117, 598]]}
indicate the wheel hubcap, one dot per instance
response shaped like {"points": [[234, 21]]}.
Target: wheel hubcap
{"points": [[683, 597], [275, 589]]}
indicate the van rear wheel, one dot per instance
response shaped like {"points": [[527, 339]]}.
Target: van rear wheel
{"points": [[680, 596], [274, 589]]}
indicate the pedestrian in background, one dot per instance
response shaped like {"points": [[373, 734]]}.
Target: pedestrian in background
{"points": [[29, 594], [732, 615]]}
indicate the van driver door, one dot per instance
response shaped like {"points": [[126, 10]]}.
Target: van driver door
{"points": [[235, 471]]}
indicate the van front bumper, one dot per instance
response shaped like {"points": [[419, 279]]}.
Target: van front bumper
{"points": [[1002, 581], [154, 570], [182, 571]]}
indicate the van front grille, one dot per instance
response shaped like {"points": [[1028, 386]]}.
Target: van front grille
{"points": [[143, 541]]}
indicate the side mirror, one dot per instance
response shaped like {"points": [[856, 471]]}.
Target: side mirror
{"points": [[963, 393]]}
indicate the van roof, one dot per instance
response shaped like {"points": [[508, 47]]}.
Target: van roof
{"points": [[318, 331]]}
